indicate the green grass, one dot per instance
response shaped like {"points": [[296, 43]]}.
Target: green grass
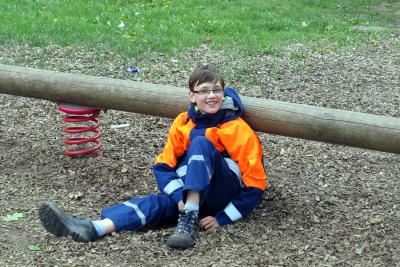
{"points": [[170, 26]]}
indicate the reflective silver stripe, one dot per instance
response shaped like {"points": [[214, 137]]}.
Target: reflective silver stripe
{"points": [[232, 212], [200, 158], [181, 171], [138, 211], [234, 167], [196, 157], [173, 185], [209, 173]]}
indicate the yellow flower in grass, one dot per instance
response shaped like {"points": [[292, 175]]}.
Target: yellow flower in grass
{"points": [[167, 4], [374, 41], [131, 36]]}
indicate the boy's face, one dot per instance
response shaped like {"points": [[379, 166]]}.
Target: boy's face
{"points": [[208, 97]]}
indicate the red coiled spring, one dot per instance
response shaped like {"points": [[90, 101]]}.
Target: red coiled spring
{"points": [[81, 114]]}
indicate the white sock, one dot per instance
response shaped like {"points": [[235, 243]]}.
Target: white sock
{"points": [[191, 206], [99, 227]]}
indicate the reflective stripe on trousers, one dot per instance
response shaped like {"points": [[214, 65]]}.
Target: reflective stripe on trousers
{"points": [[137, 212]]}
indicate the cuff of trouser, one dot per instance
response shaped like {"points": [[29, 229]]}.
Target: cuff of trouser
{"points": [[177, 195], [114, 215], [195, 188], [222, 218]]}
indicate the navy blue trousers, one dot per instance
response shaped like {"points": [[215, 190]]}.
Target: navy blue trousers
{"points": [[207, 172]]}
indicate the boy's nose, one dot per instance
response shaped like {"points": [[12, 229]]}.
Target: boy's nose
{"points": [[212, 93]]}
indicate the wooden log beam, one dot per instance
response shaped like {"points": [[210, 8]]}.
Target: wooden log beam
{"points": [[296, 120]]}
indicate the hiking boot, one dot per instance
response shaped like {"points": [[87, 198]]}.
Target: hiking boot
{"points": [[187, 230], [60, 223]]}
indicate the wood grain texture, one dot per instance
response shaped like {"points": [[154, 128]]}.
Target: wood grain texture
{"points": [[295, 120]]}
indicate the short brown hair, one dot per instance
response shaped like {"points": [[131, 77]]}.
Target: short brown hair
{"points": [[203, 74]]}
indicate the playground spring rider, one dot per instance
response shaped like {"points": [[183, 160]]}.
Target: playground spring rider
{"points": [[85, 117]]}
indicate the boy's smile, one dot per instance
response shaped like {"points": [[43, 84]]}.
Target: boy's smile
{"points": [[208, 97]]}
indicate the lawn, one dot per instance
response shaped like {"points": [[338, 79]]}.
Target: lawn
{"points": [[133, 27]]}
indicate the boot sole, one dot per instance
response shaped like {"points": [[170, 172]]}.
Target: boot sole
{"points": [[180, 241], [54, 222]]}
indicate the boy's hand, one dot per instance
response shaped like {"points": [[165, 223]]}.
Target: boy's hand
{"points": [[181, 205], [209, 222]]}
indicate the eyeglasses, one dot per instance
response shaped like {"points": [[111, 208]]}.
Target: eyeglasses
{"points": [[207, 91]]}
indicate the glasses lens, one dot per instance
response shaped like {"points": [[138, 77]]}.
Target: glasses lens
{"points": [[218, 91], [204, 91]]}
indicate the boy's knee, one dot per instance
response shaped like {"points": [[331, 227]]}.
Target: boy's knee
{"points": [[201, 144]]}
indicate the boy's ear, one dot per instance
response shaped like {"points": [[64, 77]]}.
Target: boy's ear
{"points": [[192, 97]]}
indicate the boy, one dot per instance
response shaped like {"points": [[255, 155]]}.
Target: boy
{"points": [[211, 168]]}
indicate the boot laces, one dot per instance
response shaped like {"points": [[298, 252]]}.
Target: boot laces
{"points": [[187, 221]]}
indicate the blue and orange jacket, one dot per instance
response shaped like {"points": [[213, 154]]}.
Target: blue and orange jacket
{"points": [[232, 137]]}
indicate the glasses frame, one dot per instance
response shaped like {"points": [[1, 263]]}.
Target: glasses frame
{"points": [[209, 91]]}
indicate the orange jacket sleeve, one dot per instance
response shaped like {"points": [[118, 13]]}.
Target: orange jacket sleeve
{"points": [[177, 141], [244, 147]]}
